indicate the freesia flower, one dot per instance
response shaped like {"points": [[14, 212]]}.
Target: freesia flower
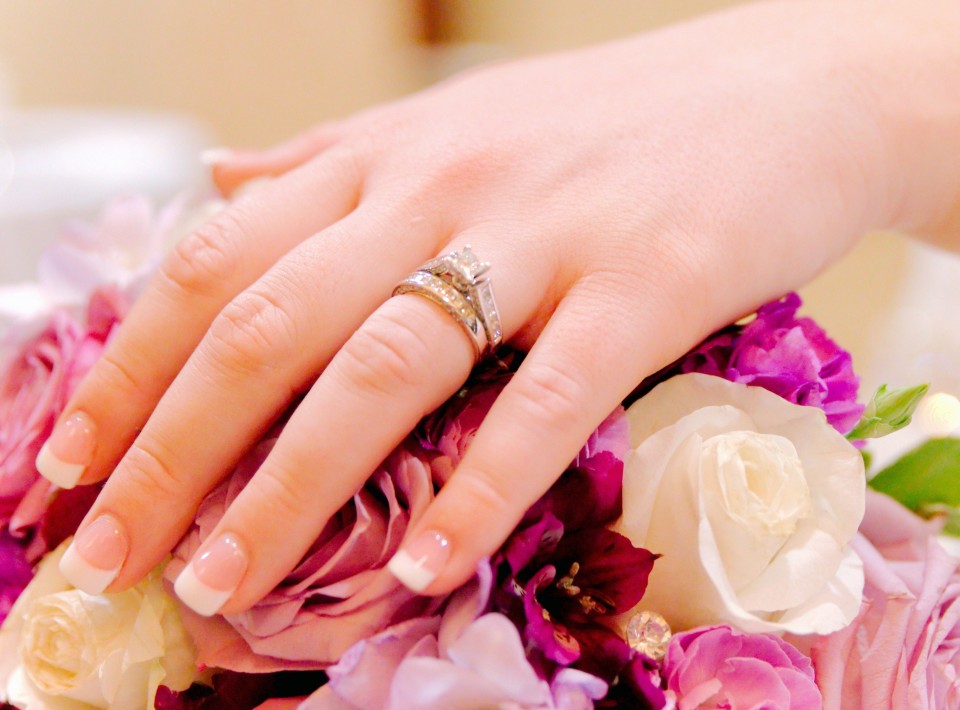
{"points": [[60, 646], [752, 502], [790, 356], [720, 667], [903, 650], [35, 384]]}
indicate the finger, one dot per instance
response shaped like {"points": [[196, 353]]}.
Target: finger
{"points": [[265, 346], [207, 269], [401, 364], [232, 167], [595, 348]]}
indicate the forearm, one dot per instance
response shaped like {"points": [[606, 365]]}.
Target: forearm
{"points": [[908, 61]]}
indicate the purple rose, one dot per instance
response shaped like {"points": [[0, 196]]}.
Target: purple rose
{"points": [[720, 667], [790, 356], [339, 593], [35, 384]]}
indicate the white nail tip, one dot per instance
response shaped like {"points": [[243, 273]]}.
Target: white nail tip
{"points": [[212, 156], [202, 598], [84, 576], [58, 472], [410, 572]]}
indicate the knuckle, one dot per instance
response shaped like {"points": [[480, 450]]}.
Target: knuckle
{"points": [[484, 493], [548, 395], [386, 355], [280, 496], [253, 332], [114, 375], [206, 257], [147, 468]]}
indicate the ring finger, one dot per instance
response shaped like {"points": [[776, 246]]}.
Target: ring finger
{"points": [[405, 360]]}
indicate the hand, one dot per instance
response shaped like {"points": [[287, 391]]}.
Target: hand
{"points": [[631, 198]]}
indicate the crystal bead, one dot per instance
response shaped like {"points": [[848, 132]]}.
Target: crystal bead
{"points": [[649, 633]]}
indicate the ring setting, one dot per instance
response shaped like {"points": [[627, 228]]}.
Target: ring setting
{"points": [[459, 284]]}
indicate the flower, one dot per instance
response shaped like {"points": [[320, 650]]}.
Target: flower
{"points": [[719, 667], [903, 650], [792, 357], [483, 667], [339, 593], [120, 251], [752, 502], [60, 645], [35, 384], [15, 572]]}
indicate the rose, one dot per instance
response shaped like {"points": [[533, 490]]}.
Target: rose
{"points": [[339, 593], [751, 500], [35, 384], [719, 667], [792, 357], [903, 650], [60, 645]]}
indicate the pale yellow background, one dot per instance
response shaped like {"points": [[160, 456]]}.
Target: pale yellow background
{"points": [[257, 70]]}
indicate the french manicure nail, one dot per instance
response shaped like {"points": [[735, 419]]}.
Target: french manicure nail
{"points": [[213, 156], [212, 576], [421, 560], [94, 558], [69, 450]]}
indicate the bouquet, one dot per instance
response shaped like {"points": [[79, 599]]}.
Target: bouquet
{"points": [[716, 543]]}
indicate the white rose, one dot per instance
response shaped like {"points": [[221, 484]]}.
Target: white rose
{"points": [[63, 649], [751, 500]]}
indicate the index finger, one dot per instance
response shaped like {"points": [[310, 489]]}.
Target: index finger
{"points": [[204, 272]]}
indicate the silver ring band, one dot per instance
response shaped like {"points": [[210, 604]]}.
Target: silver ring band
{"points": [[452, 300]]}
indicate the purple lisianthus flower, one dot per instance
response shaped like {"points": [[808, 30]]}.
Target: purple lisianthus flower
{"points": [[790, 356], [720, 667]]}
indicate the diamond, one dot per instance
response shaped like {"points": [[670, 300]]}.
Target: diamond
{"points": [[649, 633]]}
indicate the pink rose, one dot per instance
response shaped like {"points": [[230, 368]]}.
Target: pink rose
{"points": [[903, 650], [720, 667], [340, 592], [35, 384]]}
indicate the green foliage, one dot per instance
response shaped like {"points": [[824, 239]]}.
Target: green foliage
{"points": [[888, 411], [926, 480]]}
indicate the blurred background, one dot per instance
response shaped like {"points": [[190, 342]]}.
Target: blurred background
{"points": [[100, 97]]}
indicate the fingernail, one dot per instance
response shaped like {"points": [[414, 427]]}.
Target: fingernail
{"points": [[69, 450], [95, 556], [421, 560], [213, 156], [213, 576]]}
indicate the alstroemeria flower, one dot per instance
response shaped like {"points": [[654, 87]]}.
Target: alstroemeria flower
{"points": [[751, 500]]}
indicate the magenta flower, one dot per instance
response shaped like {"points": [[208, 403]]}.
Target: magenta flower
{"points": [[720, 667], [903, 651], [15, 572], [35, 384], [790, 356]]}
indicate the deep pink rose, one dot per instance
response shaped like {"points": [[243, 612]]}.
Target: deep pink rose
{"points": [[340, 592], [903, 651], [35, 384], [720, 667]]}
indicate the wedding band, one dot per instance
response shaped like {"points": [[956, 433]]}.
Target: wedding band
{"points": [[458, 284], [448, 297]]}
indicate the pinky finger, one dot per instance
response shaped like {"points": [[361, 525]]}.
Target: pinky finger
{"points": [[232, 167], [588, 358]]}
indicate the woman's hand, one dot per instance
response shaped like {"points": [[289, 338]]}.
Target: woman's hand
{"points": [[631, 198]]}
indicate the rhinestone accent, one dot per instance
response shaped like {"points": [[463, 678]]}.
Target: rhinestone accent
{"points": [[649, 633]]}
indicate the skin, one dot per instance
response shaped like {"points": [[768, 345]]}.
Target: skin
{"points": [[632, 197]]}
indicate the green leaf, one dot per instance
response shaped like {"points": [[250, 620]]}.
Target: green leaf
{"points": [[888, 411], [927, 476]]}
